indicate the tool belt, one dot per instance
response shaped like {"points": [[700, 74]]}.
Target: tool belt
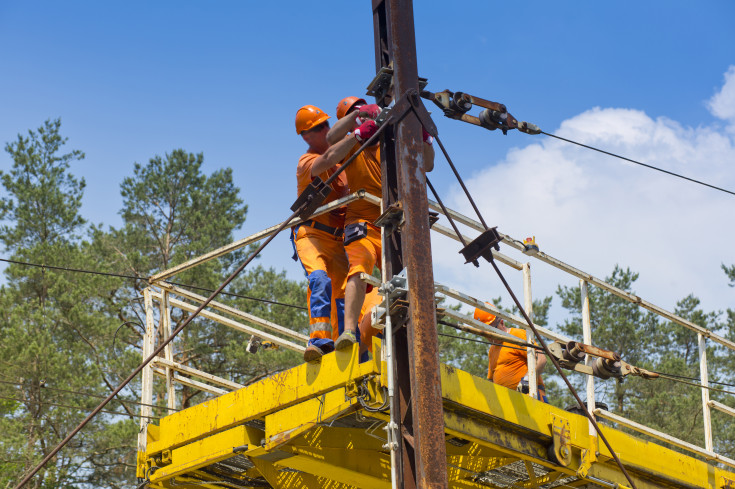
{"points": [[355, 231], [323, 227]]}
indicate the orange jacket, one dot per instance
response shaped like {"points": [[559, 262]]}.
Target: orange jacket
{"points": [[364, 173], [508, 366], [336, 218]]}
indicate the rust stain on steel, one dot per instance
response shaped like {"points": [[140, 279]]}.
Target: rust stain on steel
{"points": [[428, 415], [599, 352]]}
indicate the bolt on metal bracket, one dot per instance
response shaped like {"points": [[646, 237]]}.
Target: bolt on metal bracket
{"points": [[561, 449]]}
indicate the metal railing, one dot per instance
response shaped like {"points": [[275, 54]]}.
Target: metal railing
{"points": [[164, 295], [585, 279], [159, 299]]}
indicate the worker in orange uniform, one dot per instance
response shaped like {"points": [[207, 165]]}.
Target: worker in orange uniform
{"points": [[362, 238], [508, 363], [318, 241]]}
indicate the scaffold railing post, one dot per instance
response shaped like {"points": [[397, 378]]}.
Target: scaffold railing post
{"points": [[706, 413], [587, 339], [146, 388], [530, 352]]}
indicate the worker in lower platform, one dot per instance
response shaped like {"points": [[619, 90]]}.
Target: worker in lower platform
{"points": [[318, 241], [508, 363], [362, 238]]}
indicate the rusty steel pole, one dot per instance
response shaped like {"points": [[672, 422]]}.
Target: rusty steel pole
{"points": [[423, 430]]}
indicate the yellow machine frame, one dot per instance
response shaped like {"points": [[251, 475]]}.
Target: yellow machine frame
{"points": [[317, 425]]}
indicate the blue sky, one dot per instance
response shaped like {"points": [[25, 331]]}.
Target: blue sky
{"points": [[131, 80]]}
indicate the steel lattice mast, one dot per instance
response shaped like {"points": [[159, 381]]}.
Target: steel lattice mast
{"points": [[418, 399]]}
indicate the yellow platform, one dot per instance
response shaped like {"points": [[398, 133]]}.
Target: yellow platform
{"points": [[306, 427]]}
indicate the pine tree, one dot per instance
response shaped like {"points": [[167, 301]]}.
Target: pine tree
{"points": [[173, 212], [617, 325], [53, 340]]}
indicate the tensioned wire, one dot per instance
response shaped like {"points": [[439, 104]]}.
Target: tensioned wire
{"points": [[85, 394], [79, 408], [639, 163], [135, 277], [675, 378]]}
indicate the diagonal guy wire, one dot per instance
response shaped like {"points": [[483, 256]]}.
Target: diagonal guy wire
{"points": [[533, 328]]}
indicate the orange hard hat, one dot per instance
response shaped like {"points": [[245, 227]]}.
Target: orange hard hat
{"points": [[484, 316], [346, 104], [308, 117]]}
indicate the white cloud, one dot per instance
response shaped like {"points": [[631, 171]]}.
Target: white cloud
{"points": [[722, 104], [594, 211]]}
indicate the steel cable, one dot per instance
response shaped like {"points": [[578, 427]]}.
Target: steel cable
{"points": [[461, 182], [692, 378], [137, 277], [87, 394], [676, 378], [45, 403], [639, 163]]}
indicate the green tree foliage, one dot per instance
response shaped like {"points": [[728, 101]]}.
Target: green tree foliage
{"points": [[44, 199], [52, 336], [730, 272], [173, 212], [75, 332], [645, 340], [617, 325], [672, 407]]}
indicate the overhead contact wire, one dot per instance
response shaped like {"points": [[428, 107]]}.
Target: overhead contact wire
{"points": [[675, 378], [671, 377], [45, 403], [692, 378], [87, 394], [136, 277], [639, 163]]}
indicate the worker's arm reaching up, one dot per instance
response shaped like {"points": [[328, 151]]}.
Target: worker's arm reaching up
{"points": [[334, 154], [355, 120], [341, 128]]}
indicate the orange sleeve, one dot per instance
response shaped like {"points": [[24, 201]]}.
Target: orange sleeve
{"points": [[512, 363], [303, 170], [492, 363]]}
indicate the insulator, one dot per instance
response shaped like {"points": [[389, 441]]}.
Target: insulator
{"points": [[573, 353], [604, 368], [460, 102], [492, 119]]}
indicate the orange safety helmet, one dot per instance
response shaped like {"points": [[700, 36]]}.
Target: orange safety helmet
{"points": [[308, 117], [484, 316], [346, 104]]}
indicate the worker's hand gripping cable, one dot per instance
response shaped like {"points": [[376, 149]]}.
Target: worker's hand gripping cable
{"points": [[367, 134]]}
